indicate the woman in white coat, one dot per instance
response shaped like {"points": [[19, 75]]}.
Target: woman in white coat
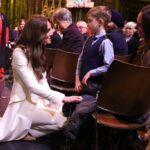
{"points": [[34, 109]]}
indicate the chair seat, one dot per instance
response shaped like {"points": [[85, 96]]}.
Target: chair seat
{"points": [[62, 86], [110, 120]]}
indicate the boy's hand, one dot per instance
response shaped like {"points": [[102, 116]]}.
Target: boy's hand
{"points": [[85, 78], [78, 84]]}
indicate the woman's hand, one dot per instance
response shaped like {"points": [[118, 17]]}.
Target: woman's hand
{"points": [[78, 85], [70, 99]]}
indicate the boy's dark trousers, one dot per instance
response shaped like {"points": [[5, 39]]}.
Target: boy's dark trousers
{"points": [[80, 116]]}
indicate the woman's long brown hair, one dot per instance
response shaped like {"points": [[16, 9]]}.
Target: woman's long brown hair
{"points": [[145, 11], [31, 41]]}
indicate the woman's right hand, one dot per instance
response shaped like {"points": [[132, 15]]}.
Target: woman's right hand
{"points": [[78, 84], [70, 99]]}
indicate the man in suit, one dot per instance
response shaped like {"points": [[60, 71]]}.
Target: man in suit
{"points": [[72, 40], [82, 26], [4, 38]]}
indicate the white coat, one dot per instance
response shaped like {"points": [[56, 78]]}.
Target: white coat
{"points": [[33, 108]]}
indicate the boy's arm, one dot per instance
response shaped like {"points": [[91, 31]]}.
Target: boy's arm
{"points": [[79, 64], [78, 85], [106, 48]]}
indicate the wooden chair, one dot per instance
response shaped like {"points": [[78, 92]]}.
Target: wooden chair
{"points": [[125, 58], [63, 71], [50, 55], [124, 99]]}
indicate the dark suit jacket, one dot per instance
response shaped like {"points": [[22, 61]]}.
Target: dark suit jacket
{"points": [[72, 40], [133, 43]]}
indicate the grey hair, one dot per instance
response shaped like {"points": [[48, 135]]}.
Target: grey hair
{"points": [[62, 14]]}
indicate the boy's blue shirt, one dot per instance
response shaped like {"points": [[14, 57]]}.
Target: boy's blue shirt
{"points": [[106, 48]]}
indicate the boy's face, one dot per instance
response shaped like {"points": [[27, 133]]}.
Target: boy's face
{"points": [[93, 24]]}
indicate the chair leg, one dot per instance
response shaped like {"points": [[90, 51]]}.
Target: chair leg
{"points": [[96, 133], [96, 124]]}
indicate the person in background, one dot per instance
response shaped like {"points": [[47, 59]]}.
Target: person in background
{"points": [[20, 28], [115, 33], [34, 109], [131, 36], [4, 39], [82, 26], [93, 63], [72, 40]]}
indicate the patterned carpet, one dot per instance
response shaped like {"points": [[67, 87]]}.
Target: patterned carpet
{"points": [[5, 90]]}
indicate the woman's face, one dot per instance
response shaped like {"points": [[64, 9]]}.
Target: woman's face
{"points": [[50, 31], [21, 25]]}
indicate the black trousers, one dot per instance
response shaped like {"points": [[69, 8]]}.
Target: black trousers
{"points": [[80, 116]]}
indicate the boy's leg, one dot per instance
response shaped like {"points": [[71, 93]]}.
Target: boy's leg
{"points": [[80, 115]]}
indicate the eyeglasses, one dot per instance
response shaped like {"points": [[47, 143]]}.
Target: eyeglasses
{"points": [[129, 28], [81, 27]]}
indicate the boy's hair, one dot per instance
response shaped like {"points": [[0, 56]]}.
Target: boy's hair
{"points": [[101, 12]]}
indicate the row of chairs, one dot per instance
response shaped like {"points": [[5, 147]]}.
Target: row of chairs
{"points": [[124, 93], [123, 83], [123, 102]]}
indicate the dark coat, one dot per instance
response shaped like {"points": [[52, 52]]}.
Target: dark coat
{"points": [[133, 44], [119, 43], [72, 40], [3, 42]]}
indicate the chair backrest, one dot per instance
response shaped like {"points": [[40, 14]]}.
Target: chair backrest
{"points": [[125, 89], [125, 58], [64, 66], [50, 55]]}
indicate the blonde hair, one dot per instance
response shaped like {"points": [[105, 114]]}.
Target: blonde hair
{"points": [[100, 12]]}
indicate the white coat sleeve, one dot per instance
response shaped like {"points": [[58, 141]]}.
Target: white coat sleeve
{"points": [[21, 67]]}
